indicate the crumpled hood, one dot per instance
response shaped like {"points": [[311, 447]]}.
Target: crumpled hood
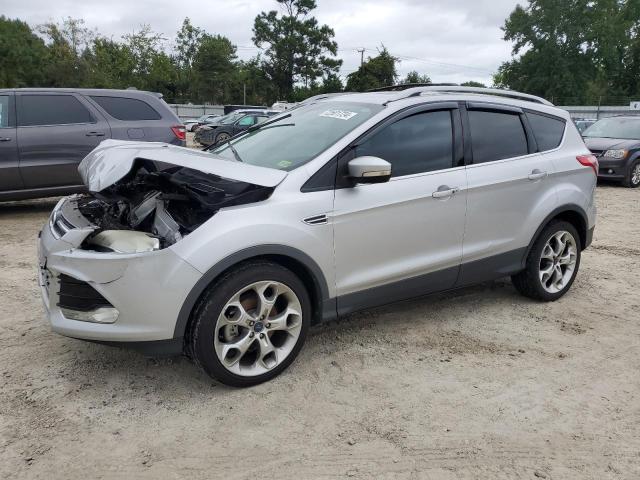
{"points": [[113, 159], [601, 144]]}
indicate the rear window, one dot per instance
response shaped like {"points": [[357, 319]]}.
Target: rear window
{"points": [[51, 110], [127, 108], [547, 130], [496, 136]]}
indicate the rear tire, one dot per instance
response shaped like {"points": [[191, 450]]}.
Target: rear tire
{"points": [[250, 324], [633, 176], [552, 263]]}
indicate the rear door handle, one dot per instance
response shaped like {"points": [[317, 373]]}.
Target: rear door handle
{"points": [[5, 139], [537, 175], [444, 191], [95, 134]]}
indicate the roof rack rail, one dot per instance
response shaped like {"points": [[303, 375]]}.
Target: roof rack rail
{"points": [[405, 86], [417, 91]]}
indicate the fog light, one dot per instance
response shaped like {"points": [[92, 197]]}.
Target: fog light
{"points": [[99, 315], [610, 171]]}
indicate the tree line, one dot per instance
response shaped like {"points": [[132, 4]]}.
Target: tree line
{"points": [[569, 51]]}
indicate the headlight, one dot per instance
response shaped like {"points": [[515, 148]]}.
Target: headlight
{"points": [[617, 154]]}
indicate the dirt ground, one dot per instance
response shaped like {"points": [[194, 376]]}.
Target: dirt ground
{"points": [[479, 383]]}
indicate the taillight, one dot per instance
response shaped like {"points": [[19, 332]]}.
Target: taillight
{"points": [[179, 131], [589, 161]]}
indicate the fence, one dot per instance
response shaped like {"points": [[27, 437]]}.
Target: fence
{"points": [[598, 112], [194, 111]]}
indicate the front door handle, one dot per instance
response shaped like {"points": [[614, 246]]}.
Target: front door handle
{"points": [[537, 175], [95, 134], [444, 191], [5, 139]]}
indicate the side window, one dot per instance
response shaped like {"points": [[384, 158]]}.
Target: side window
{"points": [[547, 130], [127, 108], [261, 119], [4, 111], [247, 121], [51, 110], [415, 144], [496, 135]]}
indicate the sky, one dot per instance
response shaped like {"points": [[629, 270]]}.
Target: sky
{"points": [[450, 40]]}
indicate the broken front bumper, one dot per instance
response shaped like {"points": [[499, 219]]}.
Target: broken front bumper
{"points": [[146, 289]]}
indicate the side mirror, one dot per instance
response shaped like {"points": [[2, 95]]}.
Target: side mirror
{"points": [[369, 170]]}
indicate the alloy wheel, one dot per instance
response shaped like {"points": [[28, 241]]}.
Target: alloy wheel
{"points": [[558, 261], [258, 328], [635, 174]]}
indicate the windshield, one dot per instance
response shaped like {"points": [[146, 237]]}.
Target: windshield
{"points": [[299, 135], [615, 127]]}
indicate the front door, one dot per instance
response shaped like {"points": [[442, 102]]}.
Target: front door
{"points": [[55, 132], [403, 238]]}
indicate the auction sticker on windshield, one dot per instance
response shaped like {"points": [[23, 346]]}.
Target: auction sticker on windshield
{"points": [[339, 114]]}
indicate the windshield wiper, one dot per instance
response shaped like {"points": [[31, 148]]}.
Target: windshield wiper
{"points": [[268, 122], [235, 152], [279, 125]]}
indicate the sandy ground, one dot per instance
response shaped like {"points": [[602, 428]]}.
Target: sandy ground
{"points": [[480, 383]]}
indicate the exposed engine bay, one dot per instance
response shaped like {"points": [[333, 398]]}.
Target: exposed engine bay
{"points": [[156, 204]]}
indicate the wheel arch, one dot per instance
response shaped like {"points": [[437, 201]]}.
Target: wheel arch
{"points": [[574, 214], [298, 262]]}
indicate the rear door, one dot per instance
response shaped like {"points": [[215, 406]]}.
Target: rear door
{"points": [[510, 190], [55, 132], [9, 165]]}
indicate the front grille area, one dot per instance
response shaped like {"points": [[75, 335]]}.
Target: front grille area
{"points": [[78, 295], [597, 153]]}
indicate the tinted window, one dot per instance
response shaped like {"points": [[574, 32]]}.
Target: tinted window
{"points": [[51, 110], [548, 131], [419, 143], [127, 108], [4, 111], [495, 136]]}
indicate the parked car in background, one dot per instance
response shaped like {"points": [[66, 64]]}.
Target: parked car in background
{"points": [[192, 124], [45, 133], [229, 125], [615, 141], [341, 204], [583, 123]]}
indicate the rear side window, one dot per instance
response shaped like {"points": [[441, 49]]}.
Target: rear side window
{"points": [[415, 144], [127, 108], [496, 136], [547, 130], [51, 110]]}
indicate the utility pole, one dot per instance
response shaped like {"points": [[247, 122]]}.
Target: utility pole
{"points": [[361, 50], [244, 93]]}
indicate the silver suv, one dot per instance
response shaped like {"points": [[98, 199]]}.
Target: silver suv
{"points": [[344, 203]]}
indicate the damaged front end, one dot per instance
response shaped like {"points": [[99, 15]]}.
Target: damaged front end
{"points": [[156, 204]]}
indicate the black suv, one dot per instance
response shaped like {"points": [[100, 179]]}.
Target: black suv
{"points": [[616, 143], [46, 132]]}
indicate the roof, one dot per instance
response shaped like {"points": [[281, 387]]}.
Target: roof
{"points": [[87, 91]]}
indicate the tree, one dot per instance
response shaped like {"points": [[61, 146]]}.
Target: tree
{"points": [[65, 65], [296, 48], [379, 71], [472, 83], [109, 64], [186, 47], [573, 51], [415, 77], [214, 69], [22, 55]]}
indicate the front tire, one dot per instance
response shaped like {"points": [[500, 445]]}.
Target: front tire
{"points": [[222, 137], [552, 264], [250, 324], [633, 177]]}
